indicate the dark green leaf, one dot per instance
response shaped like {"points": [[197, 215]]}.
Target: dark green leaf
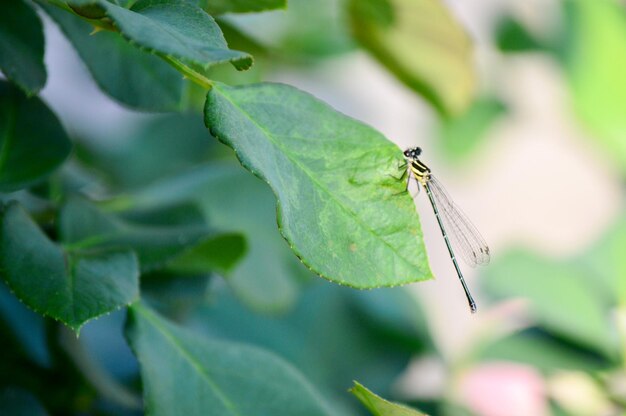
{"points": [[379, 406], [562, 297], [22, 46], [421, 42], [177, 30], [512, 37], [236, 201], [26, 327], [340, 207], [133, 77], [32, 141], [241, 6], [71, 286], [176, 142], [185, 374], [183, 249], [356, 341], [17, 402], [218, 254]]}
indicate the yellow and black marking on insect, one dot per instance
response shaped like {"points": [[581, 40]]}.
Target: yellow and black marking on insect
{"points": [[457, 230]]}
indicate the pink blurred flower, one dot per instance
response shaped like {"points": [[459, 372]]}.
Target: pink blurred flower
{"points": [[504, 389]]}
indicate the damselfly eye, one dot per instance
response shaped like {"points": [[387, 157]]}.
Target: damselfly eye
{"points": [[407, 153]]}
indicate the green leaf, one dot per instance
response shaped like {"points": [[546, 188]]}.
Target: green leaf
{"points": [[339, 205], [177, 30], [182, 249], [70, 286], [421, 42], [22, 47], [241, 6], [379, 406], [562, 297], [133, 77], [32, 141], [185, 374], [236, 201], [594, 57], [18, 402]]}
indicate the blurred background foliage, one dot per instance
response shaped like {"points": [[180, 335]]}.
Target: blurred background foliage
{"points": [[552, 333]]}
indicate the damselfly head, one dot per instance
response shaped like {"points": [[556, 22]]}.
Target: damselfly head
{"points": [[412, 152]]}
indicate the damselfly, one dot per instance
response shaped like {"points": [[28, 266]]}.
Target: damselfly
{"points": [[452, 222]]}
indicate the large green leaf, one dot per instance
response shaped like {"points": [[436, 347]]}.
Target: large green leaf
{"points": [[131, 76], [69, 285], [241, 6], [379, 406], [339, 205], [22, 47], [32, 141], [177, 30], [185, 374], [562, 298], [421, 42], [182, 249], [595, 54], [236, 201]]}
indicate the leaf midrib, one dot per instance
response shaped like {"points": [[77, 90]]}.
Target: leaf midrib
{"points": [[312, 178], [188, 357]]}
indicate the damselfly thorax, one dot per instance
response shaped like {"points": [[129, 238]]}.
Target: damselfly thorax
{"points": [[420, 171]]}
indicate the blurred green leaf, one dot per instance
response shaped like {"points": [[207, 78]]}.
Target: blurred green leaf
{"points": [[185, 374], [175, 142], [543, 352], [27, 328], [32, 141], [294, 34], [607, 264], [241, 6], [562, 298], [356, 342], [176, 29], [513, 37], [69, 285], [379, 406], [236, 201], [182, 249], [22, 47], [460, 136], [340, 208], [420, 42], [133, 77], [18, 402], [595, 54]]}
